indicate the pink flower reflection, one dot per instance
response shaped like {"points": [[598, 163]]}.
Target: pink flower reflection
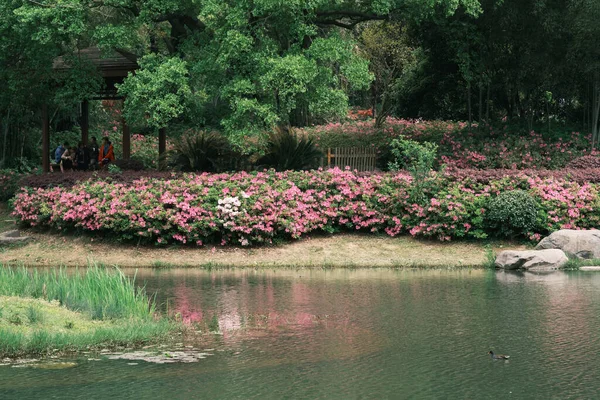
{"points": [[189, 313]]}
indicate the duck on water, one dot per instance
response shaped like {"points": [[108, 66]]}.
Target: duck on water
{"points": [[498, 356]]}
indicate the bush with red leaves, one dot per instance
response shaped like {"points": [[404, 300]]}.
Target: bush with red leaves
{"points": [[130, 165], [69, 179], [485, 176], [585, 162]]}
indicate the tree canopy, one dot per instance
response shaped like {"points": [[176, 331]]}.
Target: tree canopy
{"points": [[244, 66], [241, 66]]}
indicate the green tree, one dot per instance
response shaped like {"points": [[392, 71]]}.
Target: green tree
{"points": [[243, 66], [392, 57]]}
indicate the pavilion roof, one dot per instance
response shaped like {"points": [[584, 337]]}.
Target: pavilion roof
{"points": [[113, 64]]}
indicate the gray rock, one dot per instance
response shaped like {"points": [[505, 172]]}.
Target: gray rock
{"points": [[532, 260], [11, 234], [589, 268], [12, 237], [580, 244]]}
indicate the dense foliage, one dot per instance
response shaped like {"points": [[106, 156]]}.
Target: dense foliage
{"points": [[458, 146], [243, 67], [238, 66], [249, 209]]}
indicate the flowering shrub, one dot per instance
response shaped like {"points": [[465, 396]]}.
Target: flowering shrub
{"points": [[488, 175], [460, 147], [504, 149], [254, 208], [584, 162], [360, 114]]}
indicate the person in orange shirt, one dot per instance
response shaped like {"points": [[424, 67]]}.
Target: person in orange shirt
{"points": [[107, 154]]}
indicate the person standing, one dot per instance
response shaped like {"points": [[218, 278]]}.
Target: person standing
{"points": [[81, 157], [107, 153], [67, 159], [58, 153], [94, 152]]}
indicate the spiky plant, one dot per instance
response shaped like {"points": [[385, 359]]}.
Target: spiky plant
{"points": [[199, 152], [286, 151]]}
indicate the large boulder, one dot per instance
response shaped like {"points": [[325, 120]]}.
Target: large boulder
{"points": [[532, 260], [581, 244]]}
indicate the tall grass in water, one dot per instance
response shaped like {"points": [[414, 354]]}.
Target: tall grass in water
{"points": [[40, 341], [490, 257], [101, 292]]}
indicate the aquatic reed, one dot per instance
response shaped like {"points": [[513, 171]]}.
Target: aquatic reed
{"points": [[102, 293], [50, 310]]}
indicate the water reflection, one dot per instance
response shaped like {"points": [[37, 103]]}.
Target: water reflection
{"points": [[356, 334]]}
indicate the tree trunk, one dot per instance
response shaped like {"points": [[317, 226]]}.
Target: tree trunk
{"points": [[480, 103], [3, 160], [162, 147], [595, 109], [590, 107], [509, 111], [585, 108], [548, 114], [487, 105], [23, 142], [374, 106], [469, 111], [383, 111]]}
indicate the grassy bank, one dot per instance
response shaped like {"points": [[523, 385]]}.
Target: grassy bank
{"points": [[52, 310], [339, 251]]}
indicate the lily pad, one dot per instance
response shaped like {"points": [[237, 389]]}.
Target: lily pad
{"points": [[166, 357], [54, 365]]}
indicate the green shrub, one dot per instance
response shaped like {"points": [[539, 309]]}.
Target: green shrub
{"points": [[114, 169], [35, 315], [15, 319], [513, 213], [416, 158], [286, 152]]}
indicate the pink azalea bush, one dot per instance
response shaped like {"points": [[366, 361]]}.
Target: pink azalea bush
{"points": [[255, 208], [459, 146]]}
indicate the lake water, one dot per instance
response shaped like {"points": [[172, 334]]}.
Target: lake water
{"points": [[355, 334]]}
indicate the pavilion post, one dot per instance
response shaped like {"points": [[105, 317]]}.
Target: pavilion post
{"points": [[162, 146], [85, 121], [45, 139], [126, 139]]}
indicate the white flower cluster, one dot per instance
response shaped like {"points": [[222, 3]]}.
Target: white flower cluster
{"points": [[229, 206]]}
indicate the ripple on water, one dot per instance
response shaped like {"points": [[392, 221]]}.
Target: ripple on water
{"points": [[329, 334]]}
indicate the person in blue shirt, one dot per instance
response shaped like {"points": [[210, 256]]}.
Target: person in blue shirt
{"points": [[60, 150]]}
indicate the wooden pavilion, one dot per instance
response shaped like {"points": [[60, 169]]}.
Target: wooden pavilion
{"points": [[113, 68]]}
